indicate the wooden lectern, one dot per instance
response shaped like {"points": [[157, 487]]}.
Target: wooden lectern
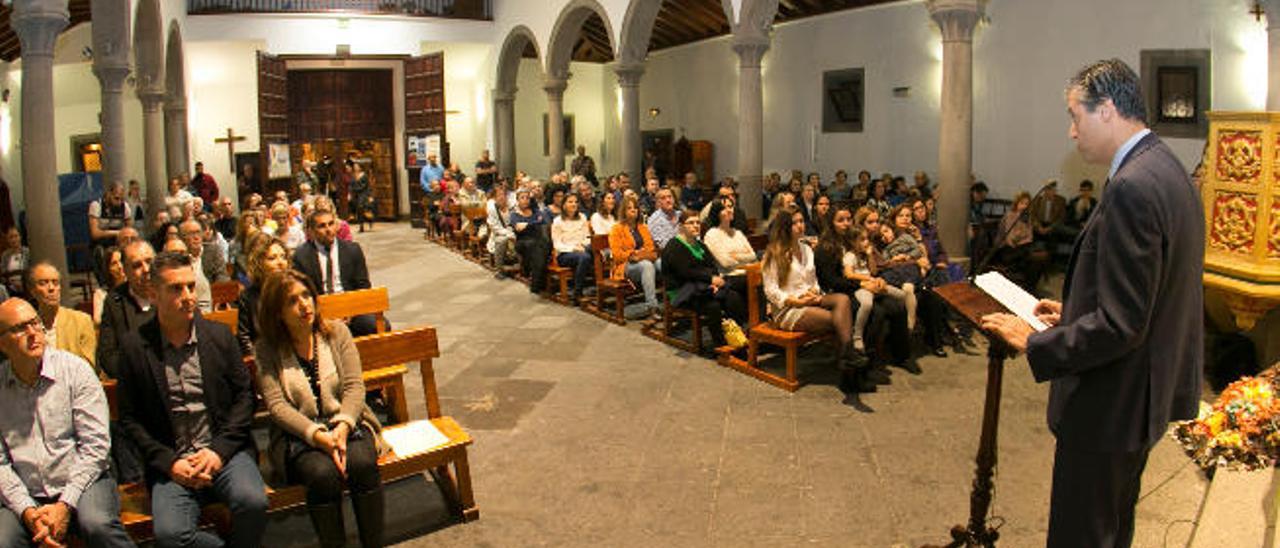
{"points": [[973, 304]]}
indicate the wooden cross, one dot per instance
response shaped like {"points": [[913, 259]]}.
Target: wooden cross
{"points": [[231, 140], [1257, 11]]}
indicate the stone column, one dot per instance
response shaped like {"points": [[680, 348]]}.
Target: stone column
{"points": [[957, 19], [555, 87], [504, 115], [750, 47], [153, 149], [175, 136], [629, 82], [37, 23], [1272, 8], [114, 157]]}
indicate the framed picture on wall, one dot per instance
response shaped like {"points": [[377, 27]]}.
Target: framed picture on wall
{"points": [[567, 133], [1177, 91]]}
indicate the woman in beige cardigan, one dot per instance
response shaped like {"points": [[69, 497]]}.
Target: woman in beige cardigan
{"points": [[323, 434]]}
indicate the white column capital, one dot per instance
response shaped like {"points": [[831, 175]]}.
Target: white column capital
{"points": [[175, 104], [504, 95], [152, 99], [37, 23], [629, 74], [111, 76], [750, 49], [957, 18], [555, 87]]}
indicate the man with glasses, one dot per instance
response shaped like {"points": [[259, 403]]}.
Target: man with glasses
{"points": [[664, 223], [55, 445], [209, 267]]}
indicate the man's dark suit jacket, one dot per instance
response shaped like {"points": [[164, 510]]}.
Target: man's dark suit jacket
{"points": [[120, 315], [1127, 355], [144, 411], [353, 272]]}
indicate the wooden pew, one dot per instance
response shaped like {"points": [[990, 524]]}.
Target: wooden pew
{"points": [[224, 294], [606, 285], [663, 330], [448, 463], [760, 331], [390, 378], [560, 276]]}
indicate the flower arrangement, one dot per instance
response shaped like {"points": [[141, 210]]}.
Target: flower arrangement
{"points": [[1241, 430]]}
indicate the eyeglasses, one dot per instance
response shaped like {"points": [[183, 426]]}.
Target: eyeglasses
{"points": [[24, 328]]}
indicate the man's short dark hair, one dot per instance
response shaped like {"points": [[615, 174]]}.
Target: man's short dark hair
{"points": [[315, 213], [168, 260], [1086, 184], [979, 187], [1111, 79]]}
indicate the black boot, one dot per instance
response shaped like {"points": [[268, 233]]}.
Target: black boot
{"points": [[853, 371], [369, 517], [327, 519]]}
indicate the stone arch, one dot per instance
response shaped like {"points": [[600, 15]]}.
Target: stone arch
{"points": [[175, 108], [637, 29], [510, 55], [148, 45], [566, 31]]}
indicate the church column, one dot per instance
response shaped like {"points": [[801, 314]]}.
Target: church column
{"points": [[629, 82], [111, 79], [957, 19], [555, 121], [37, 23], [504, 113], [153, 149], [175, 136], [750, 47], [1273, 54]]}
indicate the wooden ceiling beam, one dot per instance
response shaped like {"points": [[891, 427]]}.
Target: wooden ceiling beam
{"points": [[712, 15], [679, 25]]}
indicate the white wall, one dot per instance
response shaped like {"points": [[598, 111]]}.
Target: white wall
{"points": [[320, 34], [585, 99], [1023, 58], [222, 93]]}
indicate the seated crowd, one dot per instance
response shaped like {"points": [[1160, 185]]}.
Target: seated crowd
{"points": [[185, 393]]}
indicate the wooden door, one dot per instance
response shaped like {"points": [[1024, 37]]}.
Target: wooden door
{"points": [[424, 112], [273, 120]]}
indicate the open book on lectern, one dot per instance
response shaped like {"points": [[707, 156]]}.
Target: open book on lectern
{"points": [[1007, 293]]}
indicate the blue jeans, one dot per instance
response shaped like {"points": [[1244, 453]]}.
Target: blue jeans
{"points": [[96, 520], [580, 262], [645, 274], [176, 509]]}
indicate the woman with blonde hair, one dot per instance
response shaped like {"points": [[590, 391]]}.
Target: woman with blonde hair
{"points": [[266, 256]]}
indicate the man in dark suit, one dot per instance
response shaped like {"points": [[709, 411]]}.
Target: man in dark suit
{"points": [[322, 254], [127, 306], [188, 404], [1125, 349]]}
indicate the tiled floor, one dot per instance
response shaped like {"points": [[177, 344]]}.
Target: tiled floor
{"points": [[590, 434]]}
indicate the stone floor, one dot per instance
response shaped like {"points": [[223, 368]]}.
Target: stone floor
{"points": [[590, 434]]}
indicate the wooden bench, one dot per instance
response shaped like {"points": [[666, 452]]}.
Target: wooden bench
{"points": [[224, 294], [388, 379], [447, 463], [663, 329], [474, 245], [606, 285], [764, 332], [560, 276]]}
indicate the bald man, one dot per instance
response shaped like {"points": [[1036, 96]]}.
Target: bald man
{"points": [[55, 445]]}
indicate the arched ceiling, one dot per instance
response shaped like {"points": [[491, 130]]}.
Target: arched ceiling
{"points": [[11, 49], [682, 22]]}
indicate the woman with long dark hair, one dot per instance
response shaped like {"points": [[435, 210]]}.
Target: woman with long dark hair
{"points": [[323, 435]]}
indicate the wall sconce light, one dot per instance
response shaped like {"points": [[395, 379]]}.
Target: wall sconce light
{"points": [[654, 112]]}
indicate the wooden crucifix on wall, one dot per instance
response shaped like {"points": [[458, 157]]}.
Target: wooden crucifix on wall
{"points": [[231, 139]]}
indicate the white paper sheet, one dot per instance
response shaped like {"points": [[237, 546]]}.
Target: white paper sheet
{"points": [[414, 437], [1011, 296]]}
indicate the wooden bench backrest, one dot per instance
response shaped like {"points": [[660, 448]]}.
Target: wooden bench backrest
{"points": [[758, 241], [755, 286], [475, 213], [348, 304], [224, 294], [399, 347], [603, 267], [229, 317]]}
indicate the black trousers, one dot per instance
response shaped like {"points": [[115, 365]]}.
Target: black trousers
{"points": [[1094, 494], [315, 469], [534, 252], [714, 308]]}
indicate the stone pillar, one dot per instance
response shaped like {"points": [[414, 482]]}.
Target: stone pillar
{"points": [[114, 156], [504, 115], [175, 136], [555, 87], [957, 19], [750, 47], [37, 24], [1272, 8], [629, 82], [153, 149]]}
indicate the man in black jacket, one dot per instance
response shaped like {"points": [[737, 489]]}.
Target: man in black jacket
{"points": [[323, 254], [1126, 346], [187, 402], [126, 307]]}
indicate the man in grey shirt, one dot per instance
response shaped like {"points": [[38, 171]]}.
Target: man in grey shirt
{"points": [[55, 445]]}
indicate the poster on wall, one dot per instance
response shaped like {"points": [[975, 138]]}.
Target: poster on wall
{"points": [[278, 160], [417, 154], [432, 144]]}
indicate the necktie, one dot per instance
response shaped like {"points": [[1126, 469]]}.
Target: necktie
{"points": [[328, 277]]}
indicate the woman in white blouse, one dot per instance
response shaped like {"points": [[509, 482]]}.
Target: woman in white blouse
{"points": [[796, 303], [728, 245], [571, 238], [603, 219]]}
